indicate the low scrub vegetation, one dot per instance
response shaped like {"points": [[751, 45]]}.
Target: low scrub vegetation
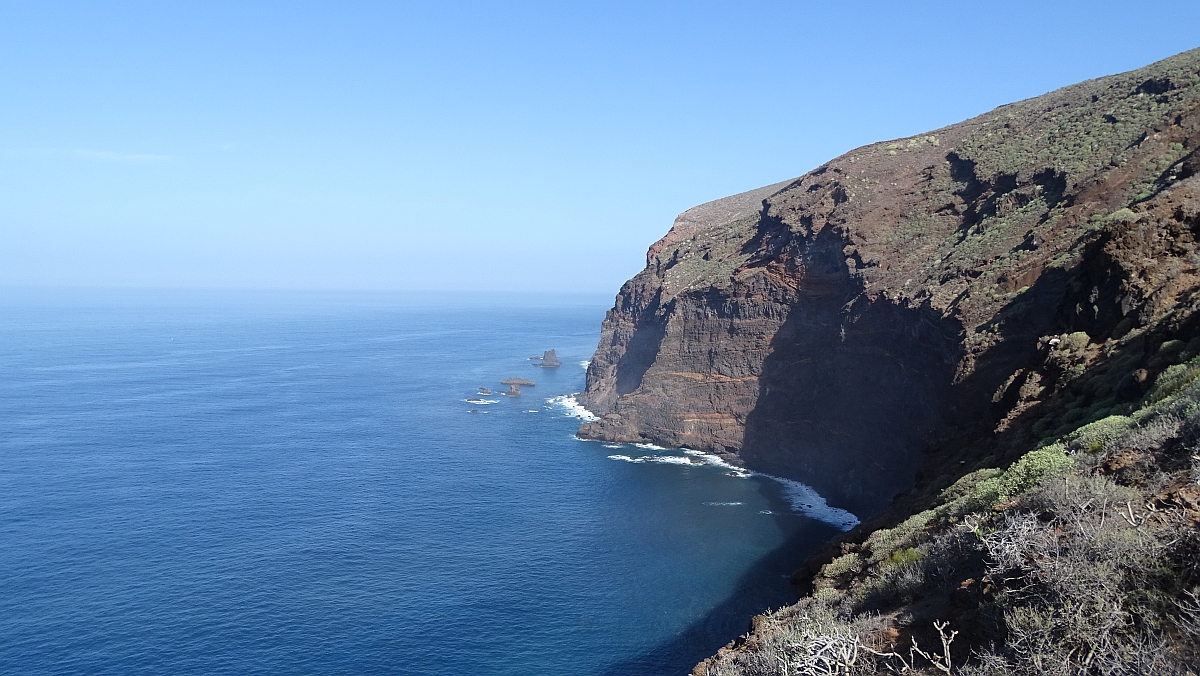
{"points": [[1081, 557]]}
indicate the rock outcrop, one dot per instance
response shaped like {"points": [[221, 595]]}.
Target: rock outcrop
{"points": [[515, 385], [891, 311], [520, 382]]}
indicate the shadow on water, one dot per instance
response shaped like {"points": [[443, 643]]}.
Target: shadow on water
{"points": [[765, 585]]}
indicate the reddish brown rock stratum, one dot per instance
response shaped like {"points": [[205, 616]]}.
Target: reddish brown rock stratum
{"points": [[879, 315]]}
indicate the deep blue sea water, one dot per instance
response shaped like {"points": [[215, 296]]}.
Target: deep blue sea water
{"points": [[229, 483]]}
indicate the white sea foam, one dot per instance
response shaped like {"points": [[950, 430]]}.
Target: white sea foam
{"points": [[482, 401], [802, 498], [531, 411], [689, 457], [716, 461], [723, 504], [585, 364], [664, 459], [573, 407], [810, 503], [671, 459]]}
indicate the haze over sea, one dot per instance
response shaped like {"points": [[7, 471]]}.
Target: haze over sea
{"points": [[270, 483]]}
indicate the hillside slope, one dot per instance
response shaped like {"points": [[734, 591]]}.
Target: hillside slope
{"points": [[985, 341], [1082, 557], [896, 317]]}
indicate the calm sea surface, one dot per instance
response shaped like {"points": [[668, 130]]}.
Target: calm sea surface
{"points": [[293, 484]]}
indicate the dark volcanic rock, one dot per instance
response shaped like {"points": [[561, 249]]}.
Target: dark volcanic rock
{"points": [[549, 360], [515, 385], [889, 307]]}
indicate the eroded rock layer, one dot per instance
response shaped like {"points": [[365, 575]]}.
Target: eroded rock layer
{"points": [[847, 326]]}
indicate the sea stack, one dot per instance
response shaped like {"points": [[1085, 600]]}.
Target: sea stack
{"points": [[549, 360]]}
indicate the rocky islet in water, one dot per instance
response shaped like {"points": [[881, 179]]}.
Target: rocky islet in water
{"points": [[515, 385]]}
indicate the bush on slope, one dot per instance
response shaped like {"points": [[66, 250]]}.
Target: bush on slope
{"points": [[1079, 558]]}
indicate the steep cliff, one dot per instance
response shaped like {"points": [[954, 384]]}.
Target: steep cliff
{"points": [[900, 309]]}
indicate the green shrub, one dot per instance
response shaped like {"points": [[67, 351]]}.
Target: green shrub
{"points": [[846, 563], [1032, 468], [1094, 437], [981, 496], [1073, 342], [966, 484], [1171, 347], [1172, 380], [883, 542], [828, 595], [904, 557], [1121, 216]]}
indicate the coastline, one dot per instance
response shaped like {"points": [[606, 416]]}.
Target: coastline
{"points": [[803, 499]]}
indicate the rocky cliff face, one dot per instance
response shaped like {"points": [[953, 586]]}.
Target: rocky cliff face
{"points": [[858, 326]]}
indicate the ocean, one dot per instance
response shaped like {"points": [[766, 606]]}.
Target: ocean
{"points": [[291, 483]]}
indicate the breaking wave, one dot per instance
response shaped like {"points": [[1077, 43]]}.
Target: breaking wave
{"points": [[482, 401], [665, 459], [802, 497], [810, 503], [716, 461], [573, 407]]}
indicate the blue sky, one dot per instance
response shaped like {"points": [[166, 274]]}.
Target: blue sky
{"points": [[473, 146]]}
